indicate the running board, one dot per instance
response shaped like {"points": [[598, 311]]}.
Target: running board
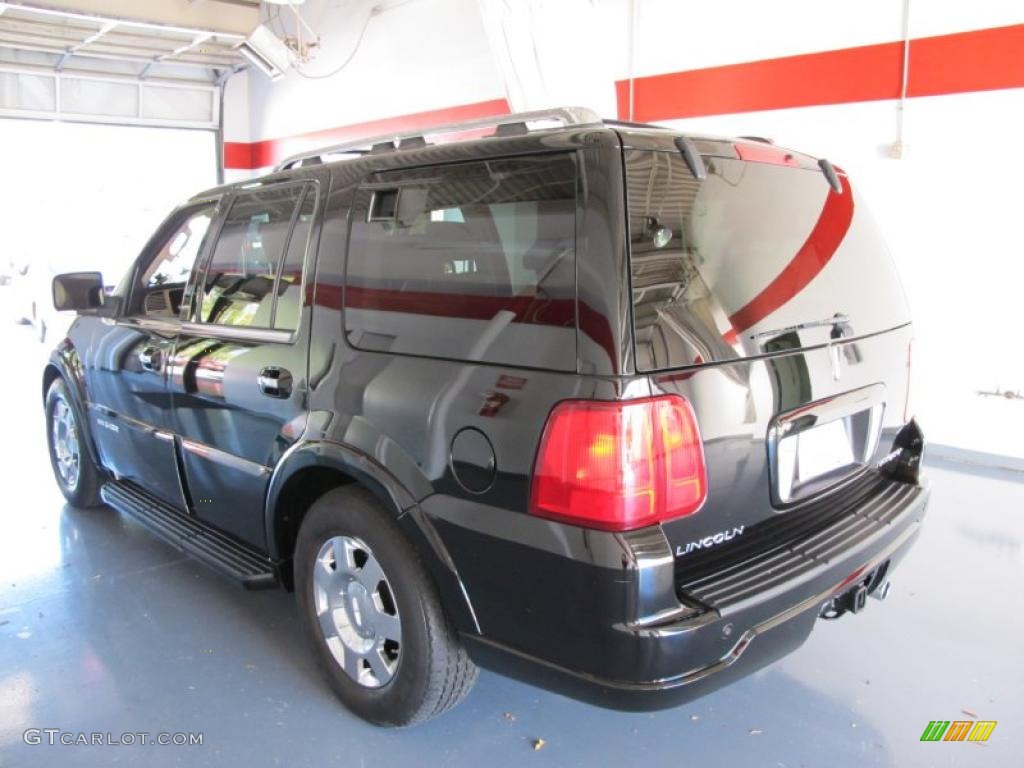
{"points": [[184, 532]]}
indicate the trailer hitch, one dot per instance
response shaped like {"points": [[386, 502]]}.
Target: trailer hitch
{"points": [[855, 599]]}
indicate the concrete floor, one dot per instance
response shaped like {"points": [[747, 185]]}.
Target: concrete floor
{"points": [[103, 628]]}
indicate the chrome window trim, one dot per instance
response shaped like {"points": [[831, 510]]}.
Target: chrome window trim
{"points": [[193, 320]]}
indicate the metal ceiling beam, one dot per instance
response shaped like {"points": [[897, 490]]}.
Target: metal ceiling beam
{"points": [[202, 37], [234, 19], [66, 32], [95, 36], [209, 66], [72, 31], [93, 74]]}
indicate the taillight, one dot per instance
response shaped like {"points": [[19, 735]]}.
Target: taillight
{"points": [[619, 465]]}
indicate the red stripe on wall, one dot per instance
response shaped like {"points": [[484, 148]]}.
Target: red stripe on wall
{"points": [[262, 154], [237, 154], [980, 60], [814, 254]]}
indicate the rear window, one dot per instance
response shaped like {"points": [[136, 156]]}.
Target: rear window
{"points": [[755, 259], [474, 261]]}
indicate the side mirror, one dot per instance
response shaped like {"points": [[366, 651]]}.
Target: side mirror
{"points": [[79, 291]]}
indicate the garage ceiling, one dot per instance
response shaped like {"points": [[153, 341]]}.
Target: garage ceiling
{"points": [[121, 61], [150, 35]]}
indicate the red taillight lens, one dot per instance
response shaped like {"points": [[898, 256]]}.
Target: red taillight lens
{"points": [[619, 465], [765, 153]]}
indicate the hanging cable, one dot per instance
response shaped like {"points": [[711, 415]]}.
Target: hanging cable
{"points": [[899, 147], [348, 60]]}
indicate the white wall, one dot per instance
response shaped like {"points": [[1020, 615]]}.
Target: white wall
{"points": [[949, 207], [415, 56]]}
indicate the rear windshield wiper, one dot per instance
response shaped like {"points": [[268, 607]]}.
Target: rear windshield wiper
{"points": [[838, 319], [830, 173]]}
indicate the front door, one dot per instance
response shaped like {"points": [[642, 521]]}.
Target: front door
{"points": [[238, 374], [126, 362]]}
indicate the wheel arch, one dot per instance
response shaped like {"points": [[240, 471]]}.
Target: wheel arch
{"points": [[312, 468], [50, 374], [58, 368], [307, 471]]}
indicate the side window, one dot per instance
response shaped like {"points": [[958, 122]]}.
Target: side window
{"points": [[240, 284], [161, 285], [474, 261], [289, 291]]}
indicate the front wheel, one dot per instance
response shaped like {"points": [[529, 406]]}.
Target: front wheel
{"points": [[76, 475], [374, 615]]}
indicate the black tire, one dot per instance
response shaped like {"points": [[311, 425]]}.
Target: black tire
{"points": [[433, 672], [82, 490]]}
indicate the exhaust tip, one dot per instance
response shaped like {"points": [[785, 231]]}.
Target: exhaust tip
{"points": [[882, 590]]}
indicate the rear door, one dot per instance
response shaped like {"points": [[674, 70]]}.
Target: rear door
{"points": [[768, 299], [238, 373]]}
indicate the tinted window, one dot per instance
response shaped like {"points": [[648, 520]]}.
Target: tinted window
{"points": [[470, 261], [162, 282], [242, 274], [731, 265], [289, 290]]}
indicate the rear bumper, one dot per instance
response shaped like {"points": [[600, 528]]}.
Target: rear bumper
{"points": [[749, 614]]}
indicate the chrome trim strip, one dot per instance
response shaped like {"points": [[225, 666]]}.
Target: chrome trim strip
{"points": [[195, 448], [862, 411], [237, 333], [224, 458], [142, 426], [163, 327]]}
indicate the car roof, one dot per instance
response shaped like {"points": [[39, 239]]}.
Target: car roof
{"points": [[358, 162]]}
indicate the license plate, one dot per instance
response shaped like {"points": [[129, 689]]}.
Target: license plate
{"points": [[821, 450]]}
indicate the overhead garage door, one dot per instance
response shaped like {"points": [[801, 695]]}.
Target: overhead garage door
{"points": [[88, 196]]}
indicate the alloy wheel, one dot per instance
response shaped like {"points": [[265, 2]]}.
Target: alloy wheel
{"points": [[64, 434], [357, 612]]}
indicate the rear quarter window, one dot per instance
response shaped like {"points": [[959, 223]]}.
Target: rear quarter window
{"points": [[474, 261]]}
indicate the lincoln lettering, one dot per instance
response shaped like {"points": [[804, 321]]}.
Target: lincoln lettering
{"points": [[709, 541]]}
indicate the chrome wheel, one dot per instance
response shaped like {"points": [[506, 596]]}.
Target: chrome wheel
{"points": [[64, 435], [356, 610]]}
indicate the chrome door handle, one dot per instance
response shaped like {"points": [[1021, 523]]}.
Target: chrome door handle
{"points": [[275, 382], [150, 358]]}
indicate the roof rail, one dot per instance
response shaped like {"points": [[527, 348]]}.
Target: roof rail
{"points": [[634, 124], [411, 139]]}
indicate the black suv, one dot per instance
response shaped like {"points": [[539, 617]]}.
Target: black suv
{"points": [[602, 406]]}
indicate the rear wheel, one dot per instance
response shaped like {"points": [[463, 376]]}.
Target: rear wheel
{"points": [[373, 614], [76, 475]]}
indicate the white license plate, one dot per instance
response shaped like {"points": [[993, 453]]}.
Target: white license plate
{"points": [[821, 450]]}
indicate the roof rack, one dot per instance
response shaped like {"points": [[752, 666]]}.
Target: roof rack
{"points": [[506, 125], [634, 124]]}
